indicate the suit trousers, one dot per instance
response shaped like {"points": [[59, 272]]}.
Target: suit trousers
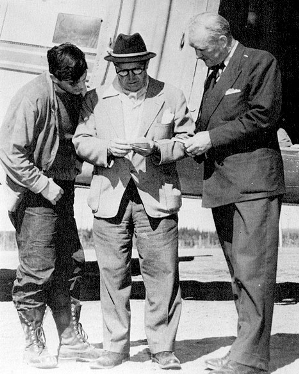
{"points": [[249, 235], [157, 246]]}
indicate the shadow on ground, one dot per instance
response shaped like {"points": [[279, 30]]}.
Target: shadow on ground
{"points": [[284, 349], [287, 292]]}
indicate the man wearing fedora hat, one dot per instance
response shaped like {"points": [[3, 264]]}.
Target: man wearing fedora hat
{"points": [[132, 132]]}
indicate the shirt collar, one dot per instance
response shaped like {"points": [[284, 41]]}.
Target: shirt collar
{"points": [[115, 89], [230, 55]]}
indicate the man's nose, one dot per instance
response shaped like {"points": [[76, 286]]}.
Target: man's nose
{"points": [[81, 85], [131, 74]]}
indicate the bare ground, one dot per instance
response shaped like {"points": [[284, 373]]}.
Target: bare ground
{"points": [[207, 328]]}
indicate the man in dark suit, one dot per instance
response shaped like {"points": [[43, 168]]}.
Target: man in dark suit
{"points": [[243, 178]]}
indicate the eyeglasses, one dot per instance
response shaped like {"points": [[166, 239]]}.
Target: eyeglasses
{"points": [[125, 72]]}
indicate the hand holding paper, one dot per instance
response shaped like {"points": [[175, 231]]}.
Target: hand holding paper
{"points": [[198, 144], [119, 147], [143, 146]]}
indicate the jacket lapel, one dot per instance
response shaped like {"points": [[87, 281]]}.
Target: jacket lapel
{"points": [[226, 81], [153, 103], [113, 108]]}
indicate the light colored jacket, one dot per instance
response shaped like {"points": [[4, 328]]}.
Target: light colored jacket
{"points": [[165, 116]]}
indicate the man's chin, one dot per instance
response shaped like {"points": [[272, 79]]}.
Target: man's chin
{"points": [[133, 89]]}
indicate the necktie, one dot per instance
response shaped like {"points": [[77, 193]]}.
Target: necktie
{"points": [[209, 84], [212, 78]]}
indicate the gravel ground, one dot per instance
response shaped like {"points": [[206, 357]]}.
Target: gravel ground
{"points": [[207, 328]]}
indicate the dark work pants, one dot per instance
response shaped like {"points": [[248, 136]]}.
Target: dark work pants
{"points": [[50, 254], [249, 235]]}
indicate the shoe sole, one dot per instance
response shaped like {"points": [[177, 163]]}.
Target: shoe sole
{"points": [[42, 366], [171, 367], [213, 367], [77, 358], [95, 366], [168, 367], [216, 367]]}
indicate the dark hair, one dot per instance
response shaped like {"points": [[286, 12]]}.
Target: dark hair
{"points": [[66, 62]]}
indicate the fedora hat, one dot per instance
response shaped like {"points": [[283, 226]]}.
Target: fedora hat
{"points": [[129, 48]]}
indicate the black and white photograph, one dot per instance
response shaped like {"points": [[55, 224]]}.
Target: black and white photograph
{"points": [[149, 186]]}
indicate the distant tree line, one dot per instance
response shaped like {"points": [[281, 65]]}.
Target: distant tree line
{"points": [[290, 238], [188, 238], [197, 238], [194, 238]]}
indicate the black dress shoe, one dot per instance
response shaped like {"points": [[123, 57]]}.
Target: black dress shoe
{"points": [[166, 360], [232, 367], [109, 359], [217, 363]]}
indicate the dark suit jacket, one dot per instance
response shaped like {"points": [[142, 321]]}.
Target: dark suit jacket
{"points": [[241, 115]]}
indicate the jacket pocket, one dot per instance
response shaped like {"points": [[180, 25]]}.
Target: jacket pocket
{"points": [[94, 193], [163, 131], [170, 197]]}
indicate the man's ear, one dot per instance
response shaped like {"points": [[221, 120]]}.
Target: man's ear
{"points": [[223, 40]]}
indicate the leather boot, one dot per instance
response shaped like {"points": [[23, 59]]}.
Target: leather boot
{"points": [[73, 339], [36, 353]]}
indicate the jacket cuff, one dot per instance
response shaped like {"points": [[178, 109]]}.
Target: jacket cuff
{"points": [[40, 185]]}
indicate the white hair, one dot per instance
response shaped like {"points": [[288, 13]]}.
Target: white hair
{"points": [[214, 24]]}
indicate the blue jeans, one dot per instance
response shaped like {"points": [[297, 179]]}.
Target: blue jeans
{"points": [[157, 245], [50, 253]]}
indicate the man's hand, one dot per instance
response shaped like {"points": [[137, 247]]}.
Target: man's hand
{"points": [[52, 192], [198, 144], [119, 147], [143, 146]]}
